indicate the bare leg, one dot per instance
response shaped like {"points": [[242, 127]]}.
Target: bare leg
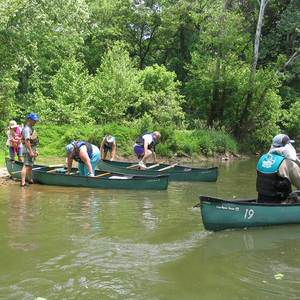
{"points": [[29, 173], [146, 156], [23, 175]]}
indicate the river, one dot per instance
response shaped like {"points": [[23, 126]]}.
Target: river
{"points": [[79, 243]]}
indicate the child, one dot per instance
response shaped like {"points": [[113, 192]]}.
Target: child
{"points": [[14, 137]]}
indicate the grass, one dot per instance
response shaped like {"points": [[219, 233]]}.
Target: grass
{"points": [[206, 142]]}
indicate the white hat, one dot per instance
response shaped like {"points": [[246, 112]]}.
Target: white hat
{"points": [[13, 124]]}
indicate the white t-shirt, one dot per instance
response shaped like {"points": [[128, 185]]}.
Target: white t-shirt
{"points": [[148, 138], [287, 151]]}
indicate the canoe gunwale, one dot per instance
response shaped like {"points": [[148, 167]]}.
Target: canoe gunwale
{"points": [[175, 170], [135, 177], [208, 199]]}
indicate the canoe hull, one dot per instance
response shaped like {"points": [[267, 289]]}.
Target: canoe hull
{"points": [[178, 173], [218, 214], [60, 179]]}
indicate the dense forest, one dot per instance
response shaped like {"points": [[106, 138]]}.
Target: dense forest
{"points": [[232, 65]]}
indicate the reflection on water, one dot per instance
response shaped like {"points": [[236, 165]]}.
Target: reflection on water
{"points": [[62, 243]]}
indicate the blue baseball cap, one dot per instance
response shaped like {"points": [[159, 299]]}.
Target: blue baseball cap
{"points": [[32, 116], [281, 140], [69, 148]]}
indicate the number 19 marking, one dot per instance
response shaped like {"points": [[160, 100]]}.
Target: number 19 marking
{"points": [[249, 213]]}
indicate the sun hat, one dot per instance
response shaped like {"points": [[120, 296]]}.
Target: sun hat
{"points": [[32, 116], [281, 140], [110, 139], [13, 124]]}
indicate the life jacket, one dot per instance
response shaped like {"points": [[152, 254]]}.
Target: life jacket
{"points": [[34, 139], [270, 186], [77, 145], [140, 141]]}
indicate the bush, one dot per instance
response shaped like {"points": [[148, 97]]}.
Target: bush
{"points": [[54, 138]]}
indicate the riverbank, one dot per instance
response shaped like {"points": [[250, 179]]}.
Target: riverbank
{"points": [[174, 143]]}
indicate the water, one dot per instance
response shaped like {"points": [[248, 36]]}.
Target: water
{"points": [[65, 243]]}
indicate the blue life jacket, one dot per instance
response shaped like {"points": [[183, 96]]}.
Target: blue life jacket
{"points": [[270, 186], [77, 145], [269, 163]]}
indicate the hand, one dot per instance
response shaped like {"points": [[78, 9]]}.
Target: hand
{"points": [[31, 154]]}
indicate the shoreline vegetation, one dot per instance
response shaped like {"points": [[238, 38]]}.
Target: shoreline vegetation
{"points": [[180, 145]]}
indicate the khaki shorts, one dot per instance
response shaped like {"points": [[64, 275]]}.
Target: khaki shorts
{"points": [[28, 160]]}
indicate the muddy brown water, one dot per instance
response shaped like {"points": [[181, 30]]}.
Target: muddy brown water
{"points": [[79, 243]]}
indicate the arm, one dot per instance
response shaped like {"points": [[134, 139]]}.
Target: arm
{"points": [[28, 146], [113, 151], [69, 163], [85, 158], [102, 149], [154, 156], [289, 169]]}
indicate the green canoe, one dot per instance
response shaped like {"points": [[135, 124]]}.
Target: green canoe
{"points": [[51, 176], [218, 214], [176, 173]]}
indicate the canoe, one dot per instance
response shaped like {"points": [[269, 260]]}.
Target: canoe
{"points": [[51, 176], [176, 173], [218, 214]]}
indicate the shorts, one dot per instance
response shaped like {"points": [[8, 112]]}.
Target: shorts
{"points": [[13, 151], [28, 160], [138, 150]]}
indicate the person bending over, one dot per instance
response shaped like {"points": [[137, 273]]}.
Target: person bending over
{"points": [[87, 156], [144, 147]]}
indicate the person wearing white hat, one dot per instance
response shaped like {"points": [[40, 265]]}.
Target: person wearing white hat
{"points": [[277, 171], [108, 145], [13, 142]]}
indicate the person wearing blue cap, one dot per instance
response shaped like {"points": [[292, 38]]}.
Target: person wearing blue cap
{"points": [[87, 156], [29, 141], [277, 171]]}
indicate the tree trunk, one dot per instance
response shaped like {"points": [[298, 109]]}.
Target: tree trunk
{"points": [[249, 96]]}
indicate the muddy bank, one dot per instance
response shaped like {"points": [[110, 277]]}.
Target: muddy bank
{"points": [[5, 178]]}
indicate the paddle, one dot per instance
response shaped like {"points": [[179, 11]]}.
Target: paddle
{"points": [[153, 166], [132, 166], [168, 167], [16, 172], [104, 174]]}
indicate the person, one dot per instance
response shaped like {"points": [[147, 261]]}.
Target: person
{"points": [[108, 145], [14, 142], [87, 156], [277, 171], [29, 142], [145, 147]]}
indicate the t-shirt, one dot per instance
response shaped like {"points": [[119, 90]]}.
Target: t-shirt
{"points": [[148, 138], [290, 170], [28, 133], [11, 135], [287, 151]]}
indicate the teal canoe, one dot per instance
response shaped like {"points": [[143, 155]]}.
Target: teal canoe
{"points": [[51, 176], [218, 214], [176, 173]]}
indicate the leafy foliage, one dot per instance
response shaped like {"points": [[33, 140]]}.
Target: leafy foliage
{"points": [[168, 64]]}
